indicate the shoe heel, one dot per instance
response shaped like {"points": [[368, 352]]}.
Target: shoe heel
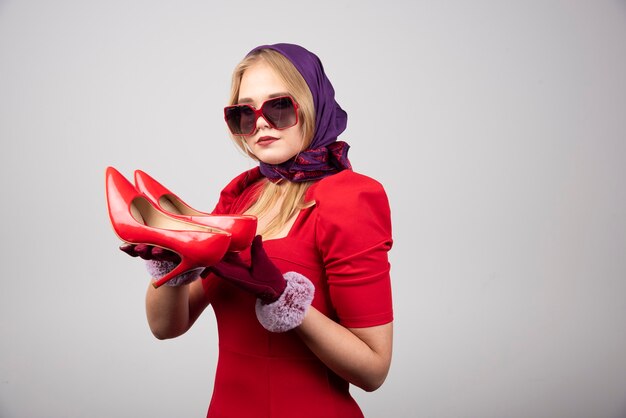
{"points": [[183, 267]]}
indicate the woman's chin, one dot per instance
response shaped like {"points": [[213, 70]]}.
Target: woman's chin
{"points": [[272, 159]]}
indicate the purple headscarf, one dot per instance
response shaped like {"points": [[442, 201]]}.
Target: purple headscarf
{"points": [[325, 156]]}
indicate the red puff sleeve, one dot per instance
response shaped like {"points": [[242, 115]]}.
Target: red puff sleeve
{"points": [[354, 236]]}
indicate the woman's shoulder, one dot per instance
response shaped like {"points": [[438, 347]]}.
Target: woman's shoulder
{"points": [[350, 198], [244, 180], [352, 213], [233, 195], [345, 184]]}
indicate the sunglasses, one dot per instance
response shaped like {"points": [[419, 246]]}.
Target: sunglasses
{"points": [[280, 112]]}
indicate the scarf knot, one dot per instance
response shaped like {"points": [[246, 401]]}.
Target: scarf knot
{"points": [[311, 164]]}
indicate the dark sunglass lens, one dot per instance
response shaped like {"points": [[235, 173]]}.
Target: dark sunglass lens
{"points": [[240, 119], [280, 112]]}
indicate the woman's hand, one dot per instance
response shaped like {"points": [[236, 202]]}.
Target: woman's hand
{"points": [[149, 252], [159, 262], [261, 278], [282, 299]]}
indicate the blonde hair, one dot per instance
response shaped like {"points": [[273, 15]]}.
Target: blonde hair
{"points": [[293, 192]]}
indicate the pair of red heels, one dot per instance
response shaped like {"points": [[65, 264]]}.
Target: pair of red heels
{"points": [[148, 213]]}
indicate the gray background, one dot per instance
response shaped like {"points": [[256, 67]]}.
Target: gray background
{"points": [[497, 128]]}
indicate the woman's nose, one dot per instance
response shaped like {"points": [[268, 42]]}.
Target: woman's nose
{"points": [[261, 123]]}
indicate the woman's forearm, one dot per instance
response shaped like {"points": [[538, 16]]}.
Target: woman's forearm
{"points": [[167, 310], [172, 310], [362, 356]]}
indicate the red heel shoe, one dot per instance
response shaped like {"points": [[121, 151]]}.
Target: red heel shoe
{"points": [[241, 227], [137, 221]]}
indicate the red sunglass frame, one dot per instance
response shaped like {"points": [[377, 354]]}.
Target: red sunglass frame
{"points": [[259, 112]]}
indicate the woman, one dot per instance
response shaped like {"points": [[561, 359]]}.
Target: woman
{"points": [[307, 310]]}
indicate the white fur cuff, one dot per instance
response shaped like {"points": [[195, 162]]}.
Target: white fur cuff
{"points": [[288, 311], [159, 268]]}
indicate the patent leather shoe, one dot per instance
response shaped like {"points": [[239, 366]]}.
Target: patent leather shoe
{"points": [[137, 220], [241, 227]]}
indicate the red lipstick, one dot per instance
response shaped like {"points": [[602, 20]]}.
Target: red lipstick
{"points": [[266, 140]]}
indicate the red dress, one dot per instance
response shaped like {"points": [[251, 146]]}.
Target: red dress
{"points": [[341, 245]]}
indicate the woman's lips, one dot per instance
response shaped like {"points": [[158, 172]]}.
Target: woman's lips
{"points": [[266, 140]]}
